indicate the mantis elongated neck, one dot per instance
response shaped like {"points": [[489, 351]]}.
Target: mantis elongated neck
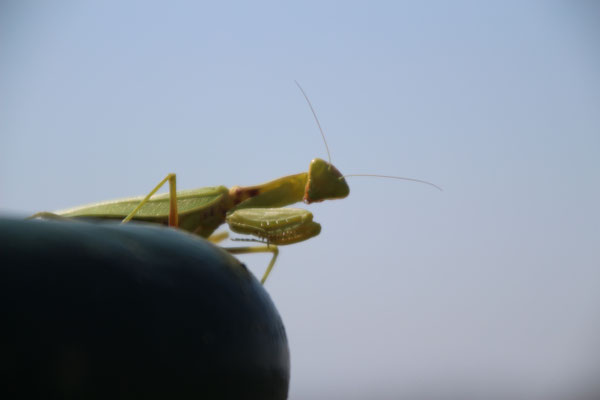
{"points": [[277, 193]]}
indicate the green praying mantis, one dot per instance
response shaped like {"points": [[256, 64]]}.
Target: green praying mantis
{"points": [[258, 210]]}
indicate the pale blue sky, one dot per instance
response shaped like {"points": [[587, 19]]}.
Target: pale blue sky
{"points": [[492, 283]]}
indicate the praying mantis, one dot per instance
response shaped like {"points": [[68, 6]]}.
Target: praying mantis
{"points": [[258, 210]]}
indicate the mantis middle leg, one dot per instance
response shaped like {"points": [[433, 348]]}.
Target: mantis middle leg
{"points": [[258, 249]]}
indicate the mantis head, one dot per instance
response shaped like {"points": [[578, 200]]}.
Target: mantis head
{"points": [[324, 182]]}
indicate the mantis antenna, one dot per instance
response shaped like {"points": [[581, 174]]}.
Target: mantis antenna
{"points": [[316, 119], [329, 154], [397, 177]]}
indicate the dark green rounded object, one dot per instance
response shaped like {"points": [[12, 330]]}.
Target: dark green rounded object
{"points": [[103, 310]]}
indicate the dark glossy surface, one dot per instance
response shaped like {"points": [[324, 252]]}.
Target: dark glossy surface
{"points": [[102, 310]]}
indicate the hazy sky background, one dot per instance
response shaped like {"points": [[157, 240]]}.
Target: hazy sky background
{"points": [[491, 284]]}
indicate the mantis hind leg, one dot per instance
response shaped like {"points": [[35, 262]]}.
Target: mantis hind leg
{"points": [[258, 249], [173, 215]]}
